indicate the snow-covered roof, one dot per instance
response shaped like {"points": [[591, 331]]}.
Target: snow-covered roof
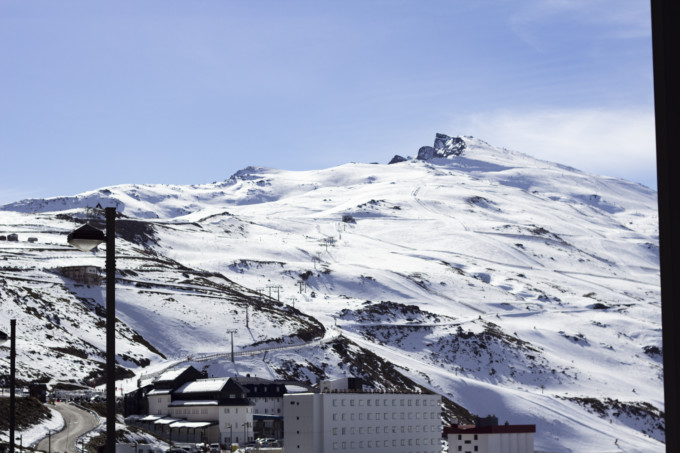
{"points": [[166, 421], [187, 424], [159, 392], [171, 375], [203, 385], [296, 389], [180, 403], [150, 418]]}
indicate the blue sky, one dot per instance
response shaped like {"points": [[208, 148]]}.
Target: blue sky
{"points": [[188, 92]]}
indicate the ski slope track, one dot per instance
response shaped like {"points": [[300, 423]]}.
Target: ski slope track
{"points": [[508, 285]]}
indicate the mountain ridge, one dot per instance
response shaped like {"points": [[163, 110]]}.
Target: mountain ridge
{"points": [[506, 284]]}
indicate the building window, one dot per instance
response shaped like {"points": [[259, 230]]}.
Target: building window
{"points": [[475, 436], [335, 402]]}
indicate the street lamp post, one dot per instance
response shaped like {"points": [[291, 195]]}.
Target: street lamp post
{"points": [[86, 238], [12, 376]]}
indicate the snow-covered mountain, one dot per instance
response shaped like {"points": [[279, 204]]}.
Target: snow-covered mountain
{"points": [[510, 286]]}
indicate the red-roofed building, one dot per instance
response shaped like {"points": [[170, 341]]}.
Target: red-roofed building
{"points": [[491, 439]]}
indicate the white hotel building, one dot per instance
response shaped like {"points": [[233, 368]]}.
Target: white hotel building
{"points": [[362, 422]]}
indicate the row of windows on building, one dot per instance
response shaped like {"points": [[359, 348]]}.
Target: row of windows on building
{"points": [[385, 429], [248, 410], [194, 411], [264, 389], [278, 411], [385, 402], [460, 448], [384, 443], [386, 416]]}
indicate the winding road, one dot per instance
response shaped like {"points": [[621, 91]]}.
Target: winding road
{"points": [[76, 422]]}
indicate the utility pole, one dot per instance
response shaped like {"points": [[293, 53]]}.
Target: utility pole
{"points": [[292, 300], [232, 332], [277, 288], [303, 285], [247, 327], [12, 382]]}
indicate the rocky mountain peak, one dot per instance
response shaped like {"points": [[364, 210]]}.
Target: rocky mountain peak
{"points": [[444, 146]]}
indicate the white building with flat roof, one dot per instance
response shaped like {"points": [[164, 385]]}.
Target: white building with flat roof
{"points": [[362, 422]]}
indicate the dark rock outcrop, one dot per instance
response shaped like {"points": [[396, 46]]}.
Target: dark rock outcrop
{"points": [[444, 146]]}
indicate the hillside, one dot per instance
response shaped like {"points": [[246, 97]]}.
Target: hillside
{"points": [[510, 286]]}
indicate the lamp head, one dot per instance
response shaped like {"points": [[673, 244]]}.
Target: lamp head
{"points": [[86, 238], [3, 337]]}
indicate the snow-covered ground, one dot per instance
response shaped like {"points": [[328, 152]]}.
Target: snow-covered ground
{"points": [[511, 286]]}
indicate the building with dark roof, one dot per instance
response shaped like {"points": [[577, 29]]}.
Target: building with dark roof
{"points": [[186, 407]]}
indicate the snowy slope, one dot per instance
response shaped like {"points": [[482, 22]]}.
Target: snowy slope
{"points": [[509, 285]]}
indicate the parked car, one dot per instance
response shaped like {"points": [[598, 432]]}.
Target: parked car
{"points": [[215, 448]]}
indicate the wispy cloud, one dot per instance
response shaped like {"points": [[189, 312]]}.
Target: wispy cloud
{"points": [[607, 142], [626, 19]]}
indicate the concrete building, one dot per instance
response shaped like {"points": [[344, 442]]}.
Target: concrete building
{"points": [[158, 399], [361, 422], [220, 400], [185, 407], [491, 439], [267, 399]]}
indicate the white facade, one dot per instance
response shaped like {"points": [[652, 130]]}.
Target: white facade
{"points": [[499, 442], [159, 402], [267, 405], [362, 422], [236, 424]]}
